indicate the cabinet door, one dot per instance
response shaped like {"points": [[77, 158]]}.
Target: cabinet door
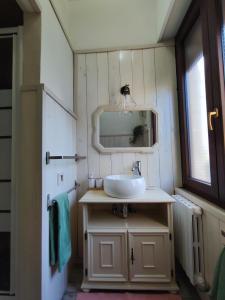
{"points": [[107, 256], [150, 257]]}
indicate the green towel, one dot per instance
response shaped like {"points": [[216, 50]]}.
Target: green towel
{"points": [[59, 231], [218, 288]]}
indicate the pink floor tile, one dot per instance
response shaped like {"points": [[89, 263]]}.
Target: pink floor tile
{"points": [[126, 296]]}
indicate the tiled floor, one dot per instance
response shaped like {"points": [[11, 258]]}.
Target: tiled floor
{"points": [[187, 291]]}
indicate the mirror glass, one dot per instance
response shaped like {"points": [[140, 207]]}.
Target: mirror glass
{"points": [[127, 129]]}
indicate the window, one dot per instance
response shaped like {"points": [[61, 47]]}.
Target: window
{"points": [[196, 105], [200, 51]]}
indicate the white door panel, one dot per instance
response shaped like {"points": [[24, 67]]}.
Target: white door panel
{"points": [[107, 257], [149, 257], [5, 196], [5, 159], [5, 122]]}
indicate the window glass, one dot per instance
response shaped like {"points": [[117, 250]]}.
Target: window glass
{"points": [[196, 106]]}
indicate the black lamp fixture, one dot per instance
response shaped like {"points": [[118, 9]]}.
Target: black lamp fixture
{"points": [[125, 90], [127, 100]]}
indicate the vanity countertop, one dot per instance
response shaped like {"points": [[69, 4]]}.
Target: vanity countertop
{"points": [[152, 195]]}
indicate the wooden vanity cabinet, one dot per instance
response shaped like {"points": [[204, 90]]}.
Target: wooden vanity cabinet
{"points": [[146, 259], [132, 253]]}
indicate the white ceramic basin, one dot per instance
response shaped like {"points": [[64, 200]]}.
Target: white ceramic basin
{"points": [[124, 186]]}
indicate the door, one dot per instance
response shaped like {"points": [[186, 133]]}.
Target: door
{"points": [[7, 160], [150, 257], [107, 256]]}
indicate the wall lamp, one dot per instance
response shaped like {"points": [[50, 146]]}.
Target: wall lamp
{"points": [[127, 100]]}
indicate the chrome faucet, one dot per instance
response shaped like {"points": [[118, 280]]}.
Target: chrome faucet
{"points": [[137, 168]]}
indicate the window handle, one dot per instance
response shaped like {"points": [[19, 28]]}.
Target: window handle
{"points": [[212, 114]]}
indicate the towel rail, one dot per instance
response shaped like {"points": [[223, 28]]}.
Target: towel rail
{"points": [[51, 202], [76, 157]]}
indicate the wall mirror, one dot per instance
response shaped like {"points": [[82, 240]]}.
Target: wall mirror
{"points": [[133, 130]]}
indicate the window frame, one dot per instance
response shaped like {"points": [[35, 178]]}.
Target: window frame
{"points": [[212, 50]]}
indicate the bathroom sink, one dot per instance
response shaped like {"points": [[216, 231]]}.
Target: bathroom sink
{"points": [[124, 186]]}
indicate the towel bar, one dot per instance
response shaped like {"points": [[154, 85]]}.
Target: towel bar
{"points": [[76, 157], [50, 202]]}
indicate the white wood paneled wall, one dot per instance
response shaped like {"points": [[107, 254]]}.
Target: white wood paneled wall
{"points": [[59, 137], [152, 78]]}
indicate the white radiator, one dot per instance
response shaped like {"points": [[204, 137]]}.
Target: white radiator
{"points": [[189, 239]]}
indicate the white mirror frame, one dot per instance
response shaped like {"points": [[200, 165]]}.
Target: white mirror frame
{"points": [[114, 108]]}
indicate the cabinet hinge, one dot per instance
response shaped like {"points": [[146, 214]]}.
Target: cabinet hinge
{"points": [[85, 235], [170, 236], [171, 273], [86, 272]]}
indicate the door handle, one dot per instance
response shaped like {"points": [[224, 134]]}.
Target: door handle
{"points": [[212, 114], [132, 256]]}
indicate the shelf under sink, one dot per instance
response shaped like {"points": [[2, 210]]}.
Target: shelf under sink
{"points": [[141, 219]]}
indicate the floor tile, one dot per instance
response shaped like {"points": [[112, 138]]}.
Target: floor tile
{"points": [[187, 291]]}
